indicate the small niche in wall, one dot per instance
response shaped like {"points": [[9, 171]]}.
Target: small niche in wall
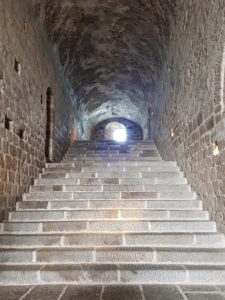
{"points": [[41, 99], [24, 25], [17, 66], [8, 123], [172, 133], [216, 148], [21, 134]]}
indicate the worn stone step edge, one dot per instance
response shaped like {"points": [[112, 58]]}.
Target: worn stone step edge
{"points": [[111, 187], [108, 181], [114, 147], [151, 151], [137, 169], [109, 164], [118, 175], [111, 159], [92, 218], [124, 247], [96, 239], [195, 205], [117, 214], [114, 226], [61, 235], [112, 273], [73, 255], [25, 216], [110, 195]]}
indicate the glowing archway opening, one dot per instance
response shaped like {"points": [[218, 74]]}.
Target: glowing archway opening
{"points": [[116, 131], [120, 135]]}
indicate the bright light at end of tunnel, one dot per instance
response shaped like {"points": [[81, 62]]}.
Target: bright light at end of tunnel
{"points": [[120, 135]]}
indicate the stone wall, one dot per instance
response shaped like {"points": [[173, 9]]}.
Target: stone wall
{"points": [[26, 71], [188, 102]]}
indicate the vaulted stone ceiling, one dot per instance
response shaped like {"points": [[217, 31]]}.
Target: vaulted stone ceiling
{"points": [[110, 50]]}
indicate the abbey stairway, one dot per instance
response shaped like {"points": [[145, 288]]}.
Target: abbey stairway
{"points": [[111, 214]]}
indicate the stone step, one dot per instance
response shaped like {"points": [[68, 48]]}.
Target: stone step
{"points": [[122, 156], [112, 175], [182, 240], [129, 255], [110, 225], [156, 168], [118, 158], [129, 164], [97, 150], [109, 174], [131, 142], [124, 166], [112, 188], [111, 274], [102, 146], [151, 204], [113, 146], [99, 181], [106, 149], [136, 214], [144, 146], [109, 195], [112, 169], [132, 188], [109, 147], [108, 152]]}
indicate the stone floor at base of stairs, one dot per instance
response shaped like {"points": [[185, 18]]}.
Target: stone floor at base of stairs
{"points": [[113, 292]]}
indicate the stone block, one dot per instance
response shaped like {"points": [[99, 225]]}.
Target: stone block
{"points": [[162, 292], [93, 239], [45, 292], [80, 274], [13, 292], [82, 293], [119, 292], [152, 274]]}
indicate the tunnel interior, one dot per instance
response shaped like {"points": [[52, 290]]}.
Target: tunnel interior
{"points": [[105, 130], [110, 52]]}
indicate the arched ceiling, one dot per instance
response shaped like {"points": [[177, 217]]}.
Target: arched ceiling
{"points": [[110, 50]]}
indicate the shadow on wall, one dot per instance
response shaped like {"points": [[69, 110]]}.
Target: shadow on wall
{"points": [[50, 111], [103, 130]]}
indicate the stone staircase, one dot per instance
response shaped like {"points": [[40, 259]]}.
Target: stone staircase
{"points": [[111, 214]]}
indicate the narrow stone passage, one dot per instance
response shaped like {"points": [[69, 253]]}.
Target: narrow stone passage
{"points": [[112, 149]]}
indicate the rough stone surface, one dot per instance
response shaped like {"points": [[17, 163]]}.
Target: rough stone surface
{"points": [[26, 71], [82, 293], [122, 293], [13, 292], [126, 292], [44, 292], [188, 103], [212, 296], [162, 292]]}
